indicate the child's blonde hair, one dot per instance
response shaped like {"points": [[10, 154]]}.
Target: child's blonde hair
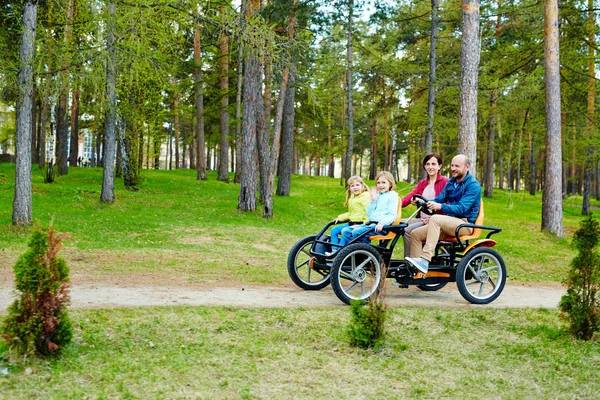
{"points": [[350, 181], [387, 176]]}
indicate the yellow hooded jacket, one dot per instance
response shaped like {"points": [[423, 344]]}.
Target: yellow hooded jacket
{"points": [[357, 208]]}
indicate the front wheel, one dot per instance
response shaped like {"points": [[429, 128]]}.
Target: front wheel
{"points": [[302, 269], [481, 275], [356, 273]]}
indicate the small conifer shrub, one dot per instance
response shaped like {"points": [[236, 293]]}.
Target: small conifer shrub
{"points": [[38, 322], [367, 324], [581, 304]]}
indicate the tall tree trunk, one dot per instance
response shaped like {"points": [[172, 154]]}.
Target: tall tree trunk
{"points": [[532, 170], [123, 151], [224, 84], [489, 160], [469, 65], [386, 133], [264, 126], [373, 164], [185, 142], [279, 116], [253, 109], [432, 77], [509, 167], [285, 166], [591, 95], [22, 212], [176, 126], [199, 102], [108, 158], [394, 164], [520, 153], [552, 198], [331, 159], [41, 143], [238, 97], [62, 123], [74, 150], [286, 156], [350, 144]]}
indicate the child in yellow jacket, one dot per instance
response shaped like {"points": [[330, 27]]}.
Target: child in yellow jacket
{"points": [[357, 200]]}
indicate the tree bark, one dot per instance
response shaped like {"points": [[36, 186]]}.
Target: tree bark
{"points": [[108, 158], [591, 95], [488, 180], [469, 65], [176, 126], [552, 198], [350, 144], [432, 77], [62, 123], [286, 156], [532, 169], [238, 97], [253, 109], [74, 150], [22, 208], [224, 84], [373, 163], [199, 103]]}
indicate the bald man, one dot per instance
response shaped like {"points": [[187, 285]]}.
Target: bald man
{"points": [[459, 202]]}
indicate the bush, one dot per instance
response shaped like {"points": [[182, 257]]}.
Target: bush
{"points": [[581, 305], [367, 324], [37, 321], [366, 329]]}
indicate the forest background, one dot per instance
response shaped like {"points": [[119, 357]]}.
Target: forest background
{"points": [[209, 80]]}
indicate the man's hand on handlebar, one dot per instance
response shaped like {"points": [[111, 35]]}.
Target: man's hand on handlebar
{"points": [[433, 206]]}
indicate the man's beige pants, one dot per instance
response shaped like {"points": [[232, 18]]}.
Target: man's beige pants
{"points": [[438, 228]]}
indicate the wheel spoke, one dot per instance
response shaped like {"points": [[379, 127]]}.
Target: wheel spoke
{"points": [[354, 283], [302, 265], [364, 263], [492, 268], [345, 274], [481, 289], [475, 274]]}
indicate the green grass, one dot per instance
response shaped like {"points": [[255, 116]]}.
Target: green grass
{"points": [[201, 352], [178, 226]]}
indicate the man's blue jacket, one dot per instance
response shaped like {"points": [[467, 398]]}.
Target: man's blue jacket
{"points": [[461, 199]]}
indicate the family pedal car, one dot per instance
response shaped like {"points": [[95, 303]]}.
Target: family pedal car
{"points": [[356, 271]]}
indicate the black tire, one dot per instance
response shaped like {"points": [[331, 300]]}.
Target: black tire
{"points": [[432, 287], [356, 273], [481, 275], [300, 266]]}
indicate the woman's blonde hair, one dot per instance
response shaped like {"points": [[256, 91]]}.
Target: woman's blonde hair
{"points": [[349, 182], [388, 176]]}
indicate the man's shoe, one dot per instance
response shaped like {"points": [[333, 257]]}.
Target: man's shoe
{"points": [[330, 253], [419, 263]]}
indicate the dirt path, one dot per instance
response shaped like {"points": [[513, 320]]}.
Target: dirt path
{"points": [[107, 295]]}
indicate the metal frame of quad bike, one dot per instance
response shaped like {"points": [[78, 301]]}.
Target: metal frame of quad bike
{"points": [[355, 272]]}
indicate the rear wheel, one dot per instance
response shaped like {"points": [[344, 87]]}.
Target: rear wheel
{"points": [[302, 269], [481, 275], [356, 273]]}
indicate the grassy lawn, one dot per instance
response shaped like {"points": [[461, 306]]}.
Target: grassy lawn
{"points": [[178, 226], [216, 352], [183, 230]]}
